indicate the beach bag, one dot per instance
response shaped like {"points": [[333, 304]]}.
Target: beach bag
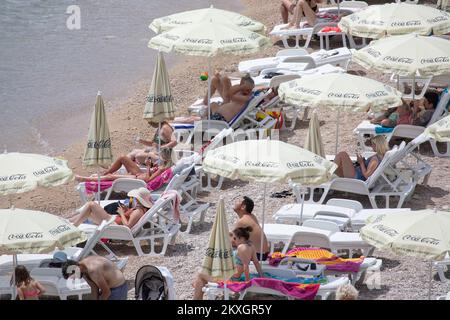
{"points": [[150, 284]]}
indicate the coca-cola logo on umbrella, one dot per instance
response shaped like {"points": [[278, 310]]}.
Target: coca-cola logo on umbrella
{"points": [[25, 236]]}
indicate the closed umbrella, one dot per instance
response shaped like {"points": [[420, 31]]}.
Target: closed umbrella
{"points": [[339, 91], [218, 261], [422, 234], [207, 39], [22, 172], [268, 161], [313, 140], [378, 21], [98, 148], [28, 231], [159, 106], [195, 16]]}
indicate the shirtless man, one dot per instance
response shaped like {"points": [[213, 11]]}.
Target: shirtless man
{"points": [[106, 280], [243, 209], [234, 97]]}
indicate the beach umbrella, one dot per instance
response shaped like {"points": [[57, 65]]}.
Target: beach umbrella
{"points": [[440, 130], [98, 148], [207, 39], [406, 55], [218, 261], [28, 231], [339, 91], [195, 16], [422, 234], [22, 172], [378, 21], [268, 161], [313, 141], [159, 106]]}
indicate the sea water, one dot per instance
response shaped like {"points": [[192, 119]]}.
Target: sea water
{"points": [[52, 64]]}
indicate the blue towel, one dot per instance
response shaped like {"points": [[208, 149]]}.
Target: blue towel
{"points": [[380, 129]]}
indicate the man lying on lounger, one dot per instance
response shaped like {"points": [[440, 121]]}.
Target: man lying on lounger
{"points": [[234, 97]]}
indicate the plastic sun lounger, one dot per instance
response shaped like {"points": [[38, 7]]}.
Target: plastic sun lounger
{"points": [[341, 211], [156, 224], [335, 57], [325, 290], [394, 177], [366, 129], [300, 235]]}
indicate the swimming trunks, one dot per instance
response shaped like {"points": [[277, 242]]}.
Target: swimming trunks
{"points": [[119, 293]]}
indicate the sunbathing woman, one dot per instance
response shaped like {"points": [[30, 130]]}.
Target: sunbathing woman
{"points": [[244, 254], [364, 168], [134, 171], [307, 9], [164, 137], [128, 216]]}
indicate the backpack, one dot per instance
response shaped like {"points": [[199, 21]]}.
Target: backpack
{"points": [[150, 284]]}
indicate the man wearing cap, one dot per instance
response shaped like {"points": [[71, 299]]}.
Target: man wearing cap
{"points": [[128, 216], [105, 279]]}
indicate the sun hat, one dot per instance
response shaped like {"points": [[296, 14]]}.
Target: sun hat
{"points": [[143, 195], [60, 256]]}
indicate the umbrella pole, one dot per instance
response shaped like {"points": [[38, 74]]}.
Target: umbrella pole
{"points": [[225, 291], [431, 278], [209, 88], [413, 86], [337, 132], [339, 6], [98, 182], [262, 231], [303, 202], [14, 291], [159, 142]]}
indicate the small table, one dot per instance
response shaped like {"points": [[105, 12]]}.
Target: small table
{"points": [[327, 35]]}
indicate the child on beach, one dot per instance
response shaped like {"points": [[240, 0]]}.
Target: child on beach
{"points": [[27, 287]]}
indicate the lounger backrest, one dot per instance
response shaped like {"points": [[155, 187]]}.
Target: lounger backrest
{"points": [[346, 203], [125, 185], [159, 205], [312, 237], [177, 181], [322, 224], [277, 80], [292, 52], [381, 167], [93, 239], [310, 62], [407, 131], [251, 104], [441, 108]]}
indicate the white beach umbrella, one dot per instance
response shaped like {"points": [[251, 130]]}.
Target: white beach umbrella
{"points": [[159, 106], [406, 55], [218, 261], [195, 16], [339, 91], [207, 39], [98, 148], [22, 172], [268, 161], [424, 234], [28, 231], [378, 21], [440, 130]]}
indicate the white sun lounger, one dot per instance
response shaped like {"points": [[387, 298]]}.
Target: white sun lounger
{"points": [[299, 235], [336, 57], [366, 129], [325, 290], [341, 211]]}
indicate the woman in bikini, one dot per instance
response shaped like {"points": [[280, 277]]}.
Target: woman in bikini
{"points": [[244, 254], [163, 137], [133, 170], [128, 216], [307, 9], [27, 287], [363, 168]]}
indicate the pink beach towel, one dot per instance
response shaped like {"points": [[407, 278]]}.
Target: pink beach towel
{"points": [[176, 199], [160, 180], [296, 290], [92, 187]]}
